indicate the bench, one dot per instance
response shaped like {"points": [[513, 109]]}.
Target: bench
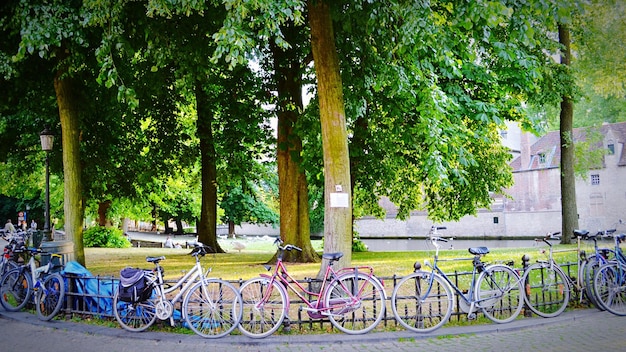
{"points": [[146, 244]]}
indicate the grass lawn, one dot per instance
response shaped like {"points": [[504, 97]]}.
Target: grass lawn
{"points": [[248, 262]]}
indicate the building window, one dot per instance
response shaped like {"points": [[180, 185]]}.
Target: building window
{"points": [[611, 148], [542, 158], [496, 220], [504, 134], [595, 179]]}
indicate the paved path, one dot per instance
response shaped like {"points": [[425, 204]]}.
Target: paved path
{"points": [[586, 330], [582, 330]]}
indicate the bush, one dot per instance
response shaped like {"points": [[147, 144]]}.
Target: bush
{"points": [[358, 245], [100, 236]]}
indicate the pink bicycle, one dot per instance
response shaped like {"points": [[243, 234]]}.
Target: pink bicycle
{"points": [[353, 299]]}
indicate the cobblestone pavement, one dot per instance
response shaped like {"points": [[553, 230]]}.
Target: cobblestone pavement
{"points": [[581, 330]]}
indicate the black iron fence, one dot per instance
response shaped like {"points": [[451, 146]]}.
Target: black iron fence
{"points": [[93, 296]]}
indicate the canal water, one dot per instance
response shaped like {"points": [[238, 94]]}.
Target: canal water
{"points": [[415, 244]]}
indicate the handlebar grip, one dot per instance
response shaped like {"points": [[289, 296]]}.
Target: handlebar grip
{"points": [[291, 246]]}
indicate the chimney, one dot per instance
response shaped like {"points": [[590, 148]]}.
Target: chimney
{"points": [[525, 151]]}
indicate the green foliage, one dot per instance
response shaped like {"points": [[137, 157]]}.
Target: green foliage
{"points": [[99, 236], [599, 36], [358, 245], [589, 152], [247, 206]]}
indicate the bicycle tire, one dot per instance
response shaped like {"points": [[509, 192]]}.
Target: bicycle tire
{"points": [[421, 306], [610, 287], [499, 293], [212, 308], [135, 317], [355, 317], [264, 307], [593, 264], [16, 289], [547, 289], [49, 297]]}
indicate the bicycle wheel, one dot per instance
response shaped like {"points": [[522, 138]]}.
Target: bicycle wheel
{"points": [[49, 297], [594, 262], [422, 302], [610, 287], [135, 316], [7, 265], [499, 294], [16, 289], [357, 303], [547, 290], [264, 307], [212, 308]]}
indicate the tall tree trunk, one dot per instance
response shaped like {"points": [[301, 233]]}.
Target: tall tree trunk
{"points": [[155, 217], [338, 211], [207, 229], [292, 183], [231, 229], [69, 112], [179, 226], [569, 209], [103, 207]]}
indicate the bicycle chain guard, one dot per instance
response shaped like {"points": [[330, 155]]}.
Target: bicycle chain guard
{"points": [[163, 309]]}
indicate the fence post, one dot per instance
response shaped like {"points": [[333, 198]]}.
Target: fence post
{"points": [[525, 264]]}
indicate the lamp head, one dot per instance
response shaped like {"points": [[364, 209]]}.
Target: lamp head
{"points": [[47, 139]]}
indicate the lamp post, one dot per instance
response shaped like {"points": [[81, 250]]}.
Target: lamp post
{"points": [[47, 140]]}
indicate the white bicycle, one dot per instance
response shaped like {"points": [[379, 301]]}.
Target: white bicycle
{"points": [[210, 307]]}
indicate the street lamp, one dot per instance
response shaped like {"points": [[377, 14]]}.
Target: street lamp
{"points": [[47, 140]]}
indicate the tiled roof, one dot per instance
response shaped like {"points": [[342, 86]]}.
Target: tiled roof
{"points": [[546, 153]]}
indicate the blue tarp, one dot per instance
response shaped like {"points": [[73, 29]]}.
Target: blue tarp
{"points": [[97, 293]]}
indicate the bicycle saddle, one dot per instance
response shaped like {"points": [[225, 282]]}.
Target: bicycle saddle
{"points": [[581, 233], [332, 256], [154, 259], [478, 250]]}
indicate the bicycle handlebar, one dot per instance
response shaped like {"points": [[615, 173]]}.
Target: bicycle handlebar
{"points": [[291, 246], [549, 236], [288, 247], [439, 239]]}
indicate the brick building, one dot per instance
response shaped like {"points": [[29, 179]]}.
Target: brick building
{"points": [[600, 197], [535, 204]]}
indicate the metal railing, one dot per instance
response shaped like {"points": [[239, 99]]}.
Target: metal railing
{"points": [[93, 296]]}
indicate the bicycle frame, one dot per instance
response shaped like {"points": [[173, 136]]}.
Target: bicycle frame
{"points": [[36, 271], [184, 283], [315, 308], [551, 263], [468, 297]]}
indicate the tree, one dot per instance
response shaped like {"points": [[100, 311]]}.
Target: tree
{"points": [[599, 33], [289, 66], [225, 103], [51, 31], [428, 86], [569, 209], [273, 33], [338, 212], [247, 205]]}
